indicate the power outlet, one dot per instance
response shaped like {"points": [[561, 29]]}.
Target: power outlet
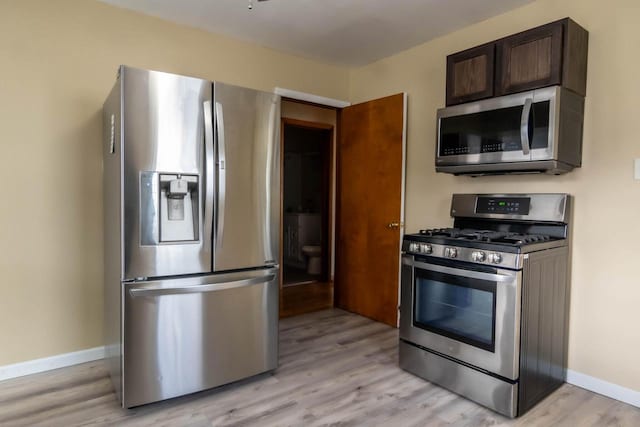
{"points": [[636, 169]]}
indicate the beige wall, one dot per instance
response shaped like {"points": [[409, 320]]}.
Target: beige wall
{"points": [[605, 325], [58, 61]]}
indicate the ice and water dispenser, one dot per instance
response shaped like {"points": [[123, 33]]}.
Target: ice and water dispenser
{"points": [[170, 208]]}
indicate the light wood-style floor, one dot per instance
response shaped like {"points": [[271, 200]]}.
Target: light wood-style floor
{"points": [[336, 369]]}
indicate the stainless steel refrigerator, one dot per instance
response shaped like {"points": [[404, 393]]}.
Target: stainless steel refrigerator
{"points": [[191, 230]]}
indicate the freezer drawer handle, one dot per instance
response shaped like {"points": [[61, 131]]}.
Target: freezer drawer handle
{"points": [[193, 289]]}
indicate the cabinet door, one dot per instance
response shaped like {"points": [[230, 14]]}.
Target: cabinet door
{"points": [[530, 59], [470, 74]]}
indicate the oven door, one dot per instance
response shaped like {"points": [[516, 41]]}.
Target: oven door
{"points": [[463, 311]]}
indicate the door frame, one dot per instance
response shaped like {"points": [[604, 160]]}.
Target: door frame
{"points": [[403, 193], [329, 235]]}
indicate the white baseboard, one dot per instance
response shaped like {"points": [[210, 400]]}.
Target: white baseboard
{"points": [[49, 363], [604, 388]]}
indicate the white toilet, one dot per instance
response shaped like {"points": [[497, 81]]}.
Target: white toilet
{"points": [[314, 258]]}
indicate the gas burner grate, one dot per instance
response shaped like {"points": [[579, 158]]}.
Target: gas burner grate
{"points": [[520, 239], [488, 236]]}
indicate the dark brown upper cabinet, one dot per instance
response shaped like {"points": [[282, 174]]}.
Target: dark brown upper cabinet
{"points": [[552, 54], [470, 74]]}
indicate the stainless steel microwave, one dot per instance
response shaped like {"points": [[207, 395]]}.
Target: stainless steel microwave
{"points": [[539, 131]]}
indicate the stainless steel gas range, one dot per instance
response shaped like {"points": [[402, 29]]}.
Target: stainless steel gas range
{"points": [[484, 304]]}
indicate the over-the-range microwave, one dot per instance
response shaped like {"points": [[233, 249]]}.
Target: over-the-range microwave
{"points": [[529, 132]]}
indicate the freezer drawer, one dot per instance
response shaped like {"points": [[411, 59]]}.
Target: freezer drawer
{"points": [[187, 335]]}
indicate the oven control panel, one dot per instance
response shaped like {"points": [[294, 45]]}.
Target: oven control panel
{"points": [[421, 248], [473, 255], [478, 256], [503, 205]]}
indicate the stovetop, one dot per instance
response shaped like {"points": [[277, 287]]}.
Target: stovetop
{"points": [[486, 236], [487, 230], [480, 246], [489, 240]]}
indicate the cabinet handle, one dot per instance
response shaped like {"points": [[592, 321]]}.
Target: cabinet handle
{"points": [[395, 225]]}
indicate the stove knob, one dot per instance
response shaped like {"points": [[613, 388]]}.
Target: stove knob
{"points": [[450, 252], [425, 248], [494, 258], [413, 247], [478, 256]]}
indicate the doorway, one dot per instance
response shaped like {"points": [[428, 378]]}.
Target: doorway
{"points": [[307, 167], [364, 222]]}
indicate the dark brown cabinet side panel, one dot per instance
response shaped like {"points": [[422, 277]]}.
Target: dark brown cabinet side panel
{"points": [[530, 59], [543, 339], [470, 74], [576, 47]]}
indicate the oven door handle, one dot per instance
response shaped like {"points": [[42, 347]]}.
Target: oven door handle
{"points": [[494, 277]]}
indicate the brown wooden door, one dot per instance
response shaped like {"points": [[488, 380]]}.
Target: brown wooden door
{"points": [[368, 210]]}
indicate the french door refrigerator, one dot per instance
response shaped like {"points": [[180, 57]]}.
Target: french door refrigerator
{"points": [[191, 229]]}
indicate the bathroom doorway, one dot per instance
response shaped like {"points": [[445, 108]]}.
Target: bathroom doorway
{"points": [[307, 168]]}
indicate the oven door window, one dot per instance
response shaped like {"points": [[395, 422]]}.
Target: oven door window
{"points": [[460, 308]]}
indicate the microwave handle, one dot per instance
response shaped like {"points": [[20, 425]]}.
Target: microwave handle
{"points": [[524, 126]]}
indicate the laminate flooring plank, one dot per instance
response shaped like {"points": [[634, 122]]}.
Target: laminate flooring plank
{"points": [[293, 330], [314, 336], [323, 398], [320, 376], [414, 410], [621, 414], [352, 407], [43, 406], [30, 386], [86, 412], [555, 408], [591, 410], [334, 354], [329, 352], [336, 369]]}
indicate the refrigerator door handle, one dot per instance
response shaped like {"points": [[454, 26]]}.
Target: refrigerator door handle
{"points": [[271, 159], [157, 290], [208, 183], [222, 174]]}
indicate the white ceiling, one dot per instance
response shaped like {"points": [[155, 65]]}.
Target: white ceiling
{"points": [[347, 32]]}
